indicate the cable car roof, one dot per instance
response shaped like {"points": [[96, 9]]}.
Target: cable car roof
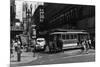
{"points": [[69, 32]]}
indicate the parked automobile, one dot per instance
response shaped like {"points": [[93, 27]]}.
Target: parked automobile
{"points": [[40, 43]]}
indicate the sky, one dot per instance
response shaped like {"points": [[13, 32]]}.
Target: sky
{"points": [[19, 4]]}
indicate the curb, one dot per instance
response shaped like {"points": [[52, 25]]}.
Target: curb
{"points": [[25, 61], [26, 58]]}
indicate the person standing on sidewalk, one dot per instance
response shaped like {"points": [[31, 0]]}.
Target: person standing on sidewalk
{"points": [[15, 45], [33, 50], [19, 51], [33, 47]]}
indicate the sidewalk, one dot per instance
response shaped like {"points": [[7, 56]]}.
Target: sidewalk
{"points": [[26, 57], [78, 51]]}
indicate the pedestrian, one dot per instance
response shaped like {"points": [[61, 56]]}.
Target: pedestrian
{"points": [[18, 50], [15, 46], [55, 44], [11, 48], [51, 46], [93, 43], [33, 47], [18, 53], [33, 50], [89, 42], [19, 43], [60, 44], [85, 46]]}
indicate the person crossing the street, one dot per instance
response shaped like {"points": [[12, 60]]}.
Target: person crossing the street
{"points": [[55, 44], [60, 44], [85, 46]]}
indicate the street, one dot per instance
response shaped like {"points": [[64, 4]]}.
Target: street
{"points": [[70, 56], [51, 33]]}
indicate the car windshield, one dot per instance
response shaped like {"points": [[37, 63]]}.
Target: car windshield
{"points": [[39, 40]]}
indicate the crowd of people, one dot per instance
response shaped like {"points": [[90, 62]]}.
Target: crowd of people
{"points": [[87, 44]]}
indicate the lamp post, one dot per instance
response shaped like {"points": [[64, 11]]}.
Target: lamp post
{"points": [[29, 21], [33, 36]]}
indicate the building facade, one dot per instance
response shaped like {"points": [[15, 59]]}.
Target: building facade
{"points": [[68, 16]]}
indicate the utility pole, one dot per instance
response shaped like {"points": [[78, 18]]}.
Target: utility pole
{"points": [[29, 21]]}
